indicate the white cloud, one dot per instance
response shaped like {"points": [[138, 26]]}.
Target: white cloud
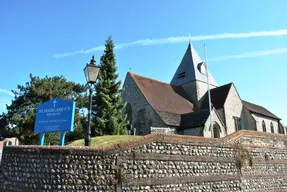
{"points": [[251, 54], [98, 48], [178, 39], [7, 92]]}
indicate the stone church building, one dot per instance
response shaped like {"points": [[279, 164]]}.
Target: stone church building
{"points": [[182, 106]]}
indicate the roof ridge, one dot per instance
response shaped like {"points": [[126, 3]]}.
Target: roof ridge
{"points": [[271, 114], [134, 74], [218, 96], [254, 104], [223, 85]]}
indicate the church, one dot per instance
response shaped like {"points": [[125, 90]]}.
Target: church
{"points": [[182, 106]]}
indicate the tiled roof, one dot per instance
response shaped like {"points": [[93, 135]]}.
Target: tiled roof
{"points": [[188, 120], [195, 119], [218, 96], [163, 97], [170, 119], [259, 109]]}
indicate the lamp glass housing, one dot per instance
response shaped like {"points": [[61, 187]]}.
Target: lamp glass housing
{"points": [[91, 73]]}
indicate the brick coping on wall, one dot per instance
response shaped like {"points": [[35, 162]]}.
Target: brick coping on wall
{"points": [[226, 142]]}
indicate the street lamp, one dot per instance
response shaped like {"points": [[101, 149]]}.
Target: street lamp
{"points": [[91, 72]]}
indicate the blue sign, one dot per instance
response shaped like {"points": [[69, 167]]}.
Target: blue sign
{"points": [[55, 115]]}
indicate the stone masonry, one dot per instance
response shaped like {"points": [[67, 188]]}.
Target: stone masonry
{"points": [[142, 111], [156, 163]]}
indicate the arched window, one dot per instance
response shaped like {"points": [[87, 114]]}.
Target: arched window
{"points": [[216, 130], [271, 127], [237, 122], [263, 126]]}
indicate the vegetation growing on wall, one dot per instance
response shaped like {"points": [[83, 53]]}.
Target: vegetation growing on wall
{"points": [[243, 157]]}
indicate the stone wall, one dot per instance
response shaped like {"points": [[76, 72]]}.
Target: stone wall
{"points": [[195, 131], [215, 120], [157, 162], [247, 121], [259, 119], [6, 142], [221, 115], [232, 107], [201, 90], [190, 90], [196, 90]]}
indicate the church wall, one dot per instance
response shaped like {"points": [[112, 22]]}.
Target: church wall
{"points": [[282, 127], [143, 115], [190, 90], [267, 121], [221, 114], [145, 118], [215, 119], [232, 107], [202, 90], [196, 131], [247, 121], [196, 90]]}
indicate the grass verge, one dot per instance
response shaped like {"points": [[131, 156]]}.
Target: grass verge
{"points": [[105, 141]]}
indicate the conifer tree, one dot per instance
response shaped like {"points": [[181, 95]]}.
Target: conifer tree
{"points": [[109, 118]]}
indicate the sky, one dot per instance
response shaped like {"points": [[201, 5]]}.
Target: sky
{"points": [[246, 42]]}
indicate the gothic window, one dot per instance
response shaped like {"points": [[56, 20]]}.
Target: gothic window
{"points": [[263, 126], [271, 127], [237, 123], [216, 130]]}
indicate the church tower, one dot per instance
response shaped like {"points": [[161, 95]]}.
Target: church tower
{"points": [[191, 74]]}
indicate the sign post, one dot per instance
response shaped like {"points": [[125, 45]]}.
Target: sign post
{"points": [[55, 115]]}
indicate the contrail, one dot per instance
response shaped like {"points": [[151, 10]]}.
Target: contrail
{"points": [[251, 54], [178, 39], [7, 92]]}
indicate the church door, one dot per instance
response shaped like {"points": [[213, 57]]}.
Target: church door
{"points": [[216, 130]]}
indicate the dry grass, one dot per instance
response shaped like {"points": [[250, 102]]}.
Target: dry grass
{"points": [[104, 141]]}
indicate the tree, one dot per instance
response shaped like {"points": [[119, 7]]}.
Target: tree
{"points": [[109, 118], [20, 116]]}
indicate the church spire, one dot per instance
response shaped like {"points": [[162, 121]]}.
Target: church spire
{"points": [[191, 69]]}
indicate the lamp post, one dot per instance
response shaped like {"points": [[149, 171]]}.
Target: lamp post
{"points": [[91, 72]]}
